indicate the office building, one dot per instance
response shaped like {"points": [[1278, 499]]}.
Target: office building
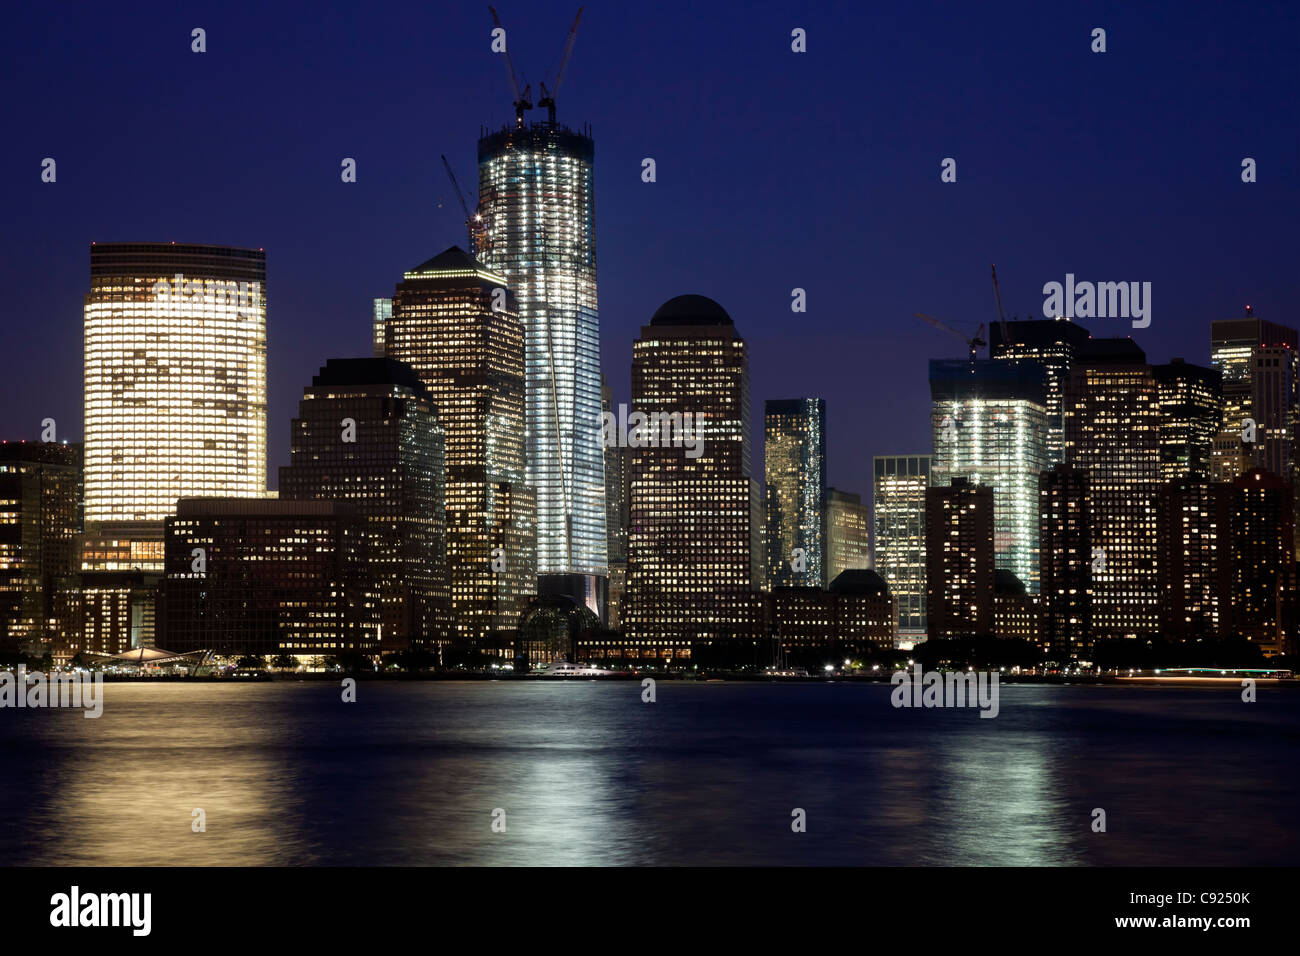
{"points": [[795, 456]]}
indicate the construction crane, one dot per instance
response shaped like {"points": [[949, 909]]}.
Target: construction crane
{"points": [[974, 343], [475, 227], [548, 98], [1002, 318], [521, 101]]}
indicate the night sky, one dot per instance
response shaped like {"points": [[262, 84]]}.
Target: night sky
{"points": [[775, 170]]}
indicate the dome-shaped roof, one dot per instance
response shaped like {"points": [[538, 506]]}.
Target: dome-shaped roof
{"points": [[691, 310]]}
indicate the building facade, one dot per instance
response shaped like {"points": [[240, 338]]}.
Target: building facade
{"points": [[1065, 568], [1052, 343], [795, 458], [175, 389], [848, 533], [455, 322], [537, 203], [959, 559], [990, 426], [1191, 417], [367, 434], [900, 484], [693, 560]]}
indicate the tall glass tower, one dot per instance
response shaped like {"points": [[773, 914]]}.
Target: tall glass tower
{"points": [[175, 390], [990, 425], [537, 204], [795, 459]]}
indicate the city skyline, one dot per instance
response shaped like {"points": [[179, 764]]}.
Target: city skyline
{"points": [[996, 211]]}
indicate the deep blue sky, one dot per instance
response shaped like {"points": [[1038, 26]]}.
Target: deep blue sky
{"points": [[775, 170]]}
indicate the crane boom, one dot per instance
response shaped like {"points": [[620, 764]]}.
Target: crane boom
{"points": [[973, 343], [521, 99], [548, 97], [1002, 318]]}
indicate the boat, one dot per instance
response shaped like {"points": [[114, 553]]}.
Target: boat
{"points": [[569, 669]]}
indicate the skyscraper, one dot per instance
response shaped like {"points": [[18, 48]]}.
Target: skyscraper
{"points": [[848, 533], [693, 560], [1052, 343], [989, 420], [1065, 565], [1195, 557], [1263, 568], [538, 207], [380, 317], [367, 433], [175, 389], [959, 559], [40, 517], [616, 513], [1112, 433], [1191, 416], [456, 324], [795, 454], [1258, 362], [899, 521], [1261, 398]]}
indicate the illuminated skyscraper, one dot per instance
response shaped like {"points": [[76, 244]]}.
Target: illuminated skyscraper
{"points": [[959, 570], [1262, 564], [367, 434], [1112, 433], [899, 520], [693, 560], [175, 390], [616, 513], [989, 420], [1191, 415], [40, 517], [537, 203], [455, 323], [1052, 343], [1258, 361], [848, 533], [1065, 563], [795, 454], [1194, 531]]}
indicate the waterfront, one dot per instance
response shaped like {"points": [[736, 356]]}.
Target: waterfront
{"points": [[588, 774]]}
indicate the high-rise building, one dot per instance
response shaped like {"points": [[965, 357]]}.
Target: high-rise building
{"points": [[367, 434], [1191, 416], [959, 559], [1193, 527], [456, 324], [817, 627], [1052, 343], [1112, 433], [848, 533], [175, 390], [795, 454], [898, 501], [1065, 566], [269, 576], [1261, 399], [989, 420], [537, 205], [616, 513], [1263, 569], [1258, 362], [693, 563], [40, 518]]}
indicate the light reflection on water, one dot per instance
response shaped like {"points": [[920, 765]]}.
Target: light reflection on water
{"points": [[589, 775]]}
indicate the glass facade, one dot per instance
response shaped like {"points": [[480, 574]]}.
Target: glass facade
{"points": [[795, 455], [989, 420], [536, 199], [899, 506], [456, 324], [175, 389]]}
